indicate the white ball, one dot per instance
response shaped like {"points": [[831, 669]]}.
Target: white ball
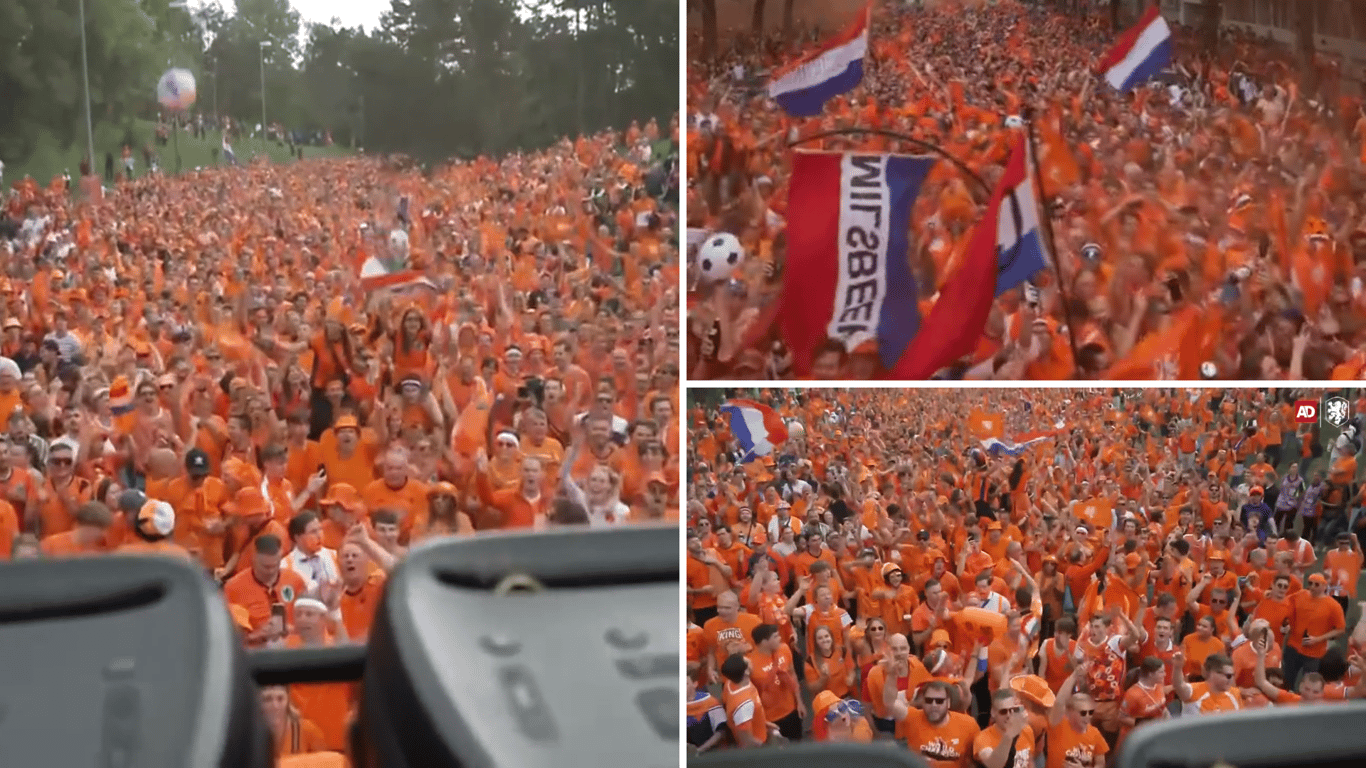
{"points": [[175, 89], [795, 429], [719, 256]]}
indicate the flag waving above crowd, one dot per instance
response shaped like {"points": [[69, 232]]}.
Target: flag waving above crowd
{"points": [[1148, 149], [1007, 242], [833, 69], [848, 273], [758, 428], [1141, 52], [849, 260]]}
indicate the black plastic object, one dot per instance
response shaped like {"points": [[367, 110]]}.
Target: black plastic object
{"points": [[879, 754], [123, 662], [330, 664], [527, 650], [1275, 737]]}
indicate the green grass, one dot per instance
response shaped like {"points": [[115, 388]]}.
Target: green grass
{"points": [[49, 160]]}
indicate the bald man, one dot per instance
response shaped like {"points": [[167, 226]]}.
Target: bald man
{"points": [[898, 672], [729, 631]]}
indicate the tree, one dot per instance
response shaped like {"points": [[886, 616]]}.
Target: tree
{"points": [[1305, 11], [1210, 20], [435, 79], [707, 10]]}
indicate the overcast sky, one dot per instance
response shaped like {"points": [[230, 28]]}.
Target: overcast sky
{"points": [[352, 13]]}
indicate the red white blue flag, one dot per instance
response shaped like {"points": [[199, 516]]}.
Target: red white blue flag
{"points": [[848, 277], [833, 69]]}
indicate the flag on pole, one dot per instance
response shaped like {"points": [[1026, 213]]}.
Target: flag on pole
{"points": [[1002, 239], [848, 277]]}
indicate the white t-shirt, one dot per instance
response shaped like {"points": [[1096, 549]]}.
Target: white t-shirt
{"points": [[708, 121]]}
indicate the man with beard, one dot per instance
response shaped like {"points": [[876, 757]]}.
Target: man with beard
{"points": [[942, 737]]}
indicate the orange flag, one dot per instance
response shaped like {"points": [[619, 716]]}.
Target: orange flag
{"points": [[471, 429], [985, 425], [1175, 353]]}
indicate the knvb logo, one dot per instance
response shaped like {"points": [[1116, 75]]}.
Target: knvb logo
{"points": [[1336, 411], [1306, 411]]}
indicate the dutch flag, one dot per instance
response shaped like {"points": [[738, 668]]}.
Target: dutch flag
{"points": [[758, 428], [1141, 52], [996, 446], [834, 69]]}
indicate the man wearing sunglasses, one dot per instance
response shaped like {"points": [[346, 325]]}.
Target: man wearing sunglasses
{"points": [[942, 737], [1008, 742], [1073, 742]]}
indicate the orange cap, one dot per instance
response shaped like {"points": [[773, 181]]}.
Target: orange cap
{"points": [[820, 706], [442, 488], [1217, 554], [346, 422], [248, 502], [888, 568], [939, 637], [343, 495]]}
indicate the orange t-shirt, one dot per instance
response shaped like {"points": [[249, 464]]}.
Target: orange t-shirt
{"points": [[990, 739], [734, 698], [724, 637], [358, 608], [1313, 616], [328, 705], [1067, 747], [1342, 570], [773, 675], [947, 745], [1205, 701], [244, 590]]}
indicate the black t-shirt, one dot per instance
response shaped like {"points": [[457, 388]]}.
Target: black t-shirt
{"points": [[840, 511]]}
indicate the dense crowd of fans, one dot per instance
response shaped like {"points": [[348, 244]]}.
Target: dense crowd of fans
{"points": [[885, 573], [1211, 217], [212, 367]]}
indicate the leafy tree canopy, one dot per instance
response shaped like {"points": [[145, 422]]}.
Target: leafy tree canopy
{"points": [[436, 78]]}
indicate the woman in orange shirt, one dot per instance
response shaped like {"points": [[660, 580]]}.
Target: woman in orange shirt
{"points": [[293, 735], [1200, 645], [830, 669]]}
